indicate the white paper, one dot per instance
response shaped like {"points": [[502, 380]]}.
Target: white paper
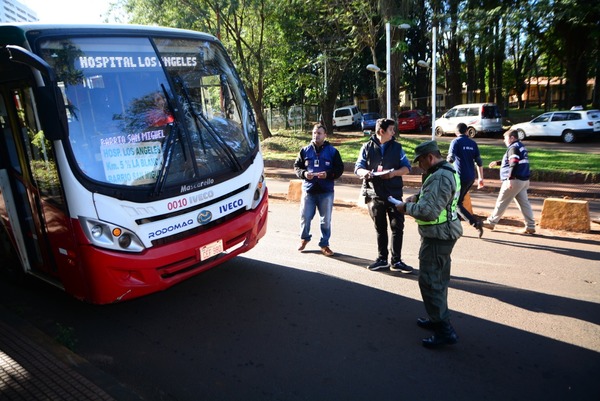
{"points": [[379, 173]]}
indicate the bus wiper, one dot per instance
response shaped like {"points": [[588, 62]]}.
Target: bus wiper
{"points": [[172, 111], [168, 152], [173, 135], [211, 130]]}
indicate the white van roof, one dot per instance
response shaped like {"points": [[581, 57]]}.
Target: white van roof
{"points": [[474, 105]]}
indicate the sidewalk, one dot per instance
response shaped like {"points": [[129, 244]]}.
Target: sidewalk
{"points": [[483, 200], [35, 367], [545, 189]]}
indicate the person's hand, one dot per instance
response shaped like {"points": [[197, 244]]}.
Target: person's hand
{"points": [[322, 175], [411, 199], [367, 175], [401, 207], [309, 176], [493, 164], [480, 183]]}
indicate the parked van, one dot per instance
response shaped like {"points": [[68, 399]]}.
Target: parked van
{"points": [[347, 117], [481, 118]]}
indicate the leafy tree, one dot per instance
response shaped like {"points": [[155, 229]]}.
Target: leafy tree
{"points": [[568, 30], [329, 31], [246, 28]]}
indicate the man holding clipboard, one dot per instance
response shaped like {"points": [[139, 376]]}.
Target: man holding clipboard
{"points": [[381, 164]]}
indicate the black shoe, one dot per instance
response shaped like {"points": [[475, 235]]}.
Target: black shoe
{"points": [[479, 227], [400, 266], [425, 323], [444, 335], [437, 341], [380, 263]]}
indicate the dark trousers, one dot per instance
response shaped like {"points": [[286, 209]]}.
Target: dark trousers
{"points": [[434, 277], [462, 211], [380, 211]]}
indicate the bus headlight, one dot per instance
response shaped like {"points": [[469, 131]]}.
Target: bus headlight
{"points": [[110, 236], [125, 241], [96, 231], [259, 191]]}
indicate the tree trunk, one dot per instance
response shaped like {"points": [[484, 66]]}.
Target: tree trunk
{"points": [[263, 126]]}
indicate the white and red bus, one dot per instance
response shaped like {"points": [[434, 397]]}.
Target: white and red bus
{"points": [[129, 158]]}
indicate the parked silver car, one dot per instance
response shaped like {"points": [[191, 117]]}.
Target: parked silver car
{"points": [[569, 125]]}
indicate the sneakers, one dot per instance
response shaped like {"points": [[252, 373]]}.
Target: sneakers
{"points": [[326, 251], [378, 264], [528, 230], [488, 224], [400, 266], [302, 245]]}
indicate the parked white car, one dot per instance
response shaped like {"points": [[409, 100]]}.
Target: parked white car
{"points": [[569, 125], [347, 116], [481, 118]]}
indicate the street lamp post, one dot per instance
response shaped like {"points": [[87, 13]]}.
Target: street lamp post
{"points": [[422, 63], [388, 67]]}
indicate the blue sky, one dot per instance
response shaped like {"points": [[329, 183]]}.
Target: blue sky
{"points": [[69, 11]]}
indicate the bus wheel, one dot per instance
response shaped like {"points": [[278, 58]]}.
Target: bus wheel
{"points": [[11, 265]]}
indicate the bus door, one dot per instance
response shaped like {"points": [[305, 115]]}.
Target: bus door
{"points": [[28, 180]]}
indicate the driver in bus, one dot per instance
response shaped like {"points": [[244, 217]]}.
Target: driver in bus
{"points": [[160, 115]]}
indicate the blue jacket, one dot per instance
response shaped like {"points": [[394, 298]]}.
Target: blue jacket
{"points": [[314, 160], [515, 163]]}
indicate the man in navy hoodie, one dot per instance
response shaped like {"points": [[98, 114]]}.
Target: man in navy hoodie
{"points": [[464, 153]]}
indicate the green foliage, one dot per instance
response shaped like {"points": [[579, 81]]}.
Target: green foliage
{"points": [[315, 51]]}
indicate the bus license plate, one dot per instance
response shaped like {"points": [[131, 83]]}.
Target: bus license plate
{"points": [[210, 250]]}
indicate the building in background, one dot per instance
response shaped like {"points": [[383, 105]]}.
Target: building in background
{"points": [[15, 11]]}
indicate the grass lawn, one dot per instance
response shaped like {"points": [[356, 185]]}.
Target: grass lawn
{"points": [[285, 145]]}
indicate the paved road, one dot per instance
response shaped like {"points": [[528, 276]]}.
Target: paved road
{"points": [[276, 324]]}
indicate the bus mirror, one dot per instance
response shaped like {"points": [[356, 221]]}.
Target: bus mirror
{"points": [[48, 97], [52, 117]]}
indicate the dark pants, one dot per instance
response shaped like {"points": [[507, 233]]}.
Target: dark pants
{"points": [[462, 211], [380, 210], [434, 277]]}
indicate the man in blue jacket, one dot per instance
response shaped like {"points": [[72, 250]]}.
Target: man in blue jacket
{"points": [[514, 174], [318, 164], [381, 164]]}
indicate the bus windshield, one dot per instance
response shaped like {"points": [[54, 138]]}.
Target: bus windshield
{"points": [[152, 112]]}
